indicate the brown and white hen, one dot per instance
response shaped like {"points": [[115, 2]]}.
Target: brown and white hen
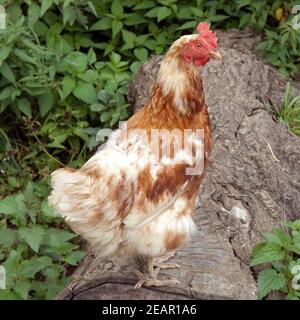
{"points": [[136, 196]]}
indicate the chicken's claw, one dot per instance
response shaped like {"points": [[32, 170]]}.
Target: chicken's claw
{"points": [[149, 281], [149, 277]]}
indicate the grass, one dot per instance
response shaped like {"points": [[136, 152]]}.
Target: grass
{"points": [[289, 111]]}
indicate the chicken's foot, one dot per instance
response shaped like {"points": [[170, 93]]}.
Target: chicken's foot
{"points": [[160, 262], [148, 278]]}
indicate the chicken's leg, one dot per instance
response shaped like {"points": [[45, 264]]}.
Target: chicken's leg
{"points": [[149, 277], [161, 261]]}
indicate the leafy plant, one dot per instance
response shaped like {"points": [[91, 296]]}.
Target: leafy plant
{"points": [[289, 112], [281, 48], [281, 250], [34, 251]]}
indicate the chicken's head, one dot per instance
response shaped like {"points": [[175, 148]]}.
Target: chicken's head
{"points": [[202, 47]]}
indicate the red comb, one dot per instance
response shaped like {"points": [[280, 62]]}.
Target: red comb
{"points": [[203, 27], [207, 35]]}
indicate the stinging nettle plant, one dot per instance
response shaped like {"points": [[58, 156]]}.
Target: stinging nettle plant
{"points": [[281, 251]]}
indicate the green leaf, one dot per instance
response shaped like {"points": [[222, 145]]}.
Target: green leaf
{"points": [[69, 15], [133, 19], [128, 36], [68, 85], [81, 18], [184, 14], [92, 7], [66, 3], [8, 205], [279, 237], [267, 253], [108, 49], [4, 53], [104, 96], [24, 106], [48, 211], [80, 133], [114, 119], [6, 71], [105, 116], [33, 236], [29, 268], [9, 92], [46, 102], [188, 25], [56, 237], [97, 107], [29, 192], [7, 237], [150, 44], [59, 137], [115, 58], [152, 13], [144, 5], [141, 39], [197, 12], [163, 13], [141, 54], [135, 67], [14, 182], [116, 8], [103, 24], [22, 288], [33, 14], [91, 56], [245, 20], [46, 4], [116, 27], [5, 144], [217, 18], [89, 76], [269, 280], [74, 62], [75, 257], [86, 92], [25, 57], [295, 225]]}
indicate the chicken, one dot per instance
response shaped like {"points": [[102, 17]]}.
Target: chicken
{"points": [[136, 195]]}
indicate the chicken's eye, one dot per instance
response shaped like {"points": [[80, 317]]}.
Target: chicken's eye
{"points": [[198, 45]]}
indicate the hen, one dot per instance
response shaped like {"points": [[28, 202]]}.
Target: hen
{"points": [[136, 195]]}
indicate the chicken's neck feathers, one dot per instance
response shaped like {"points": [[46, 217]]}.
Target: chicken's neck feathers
{"points": [[181, 86], [177, 98]]}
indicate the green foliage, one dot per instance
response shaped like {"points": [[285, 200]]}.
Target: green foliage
{"points": [[282, 251], [289, 112], [56, 56], [64, 70], [35, 253], [281, 48]]}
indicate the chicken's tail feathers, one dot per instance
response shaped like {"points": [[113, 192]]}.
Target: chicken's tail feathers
{"points": [[75, 195], [71, 194]]}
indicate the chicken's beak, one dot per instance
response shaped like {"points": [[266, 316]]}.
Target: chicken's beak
{"points": [[215, 54]]}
